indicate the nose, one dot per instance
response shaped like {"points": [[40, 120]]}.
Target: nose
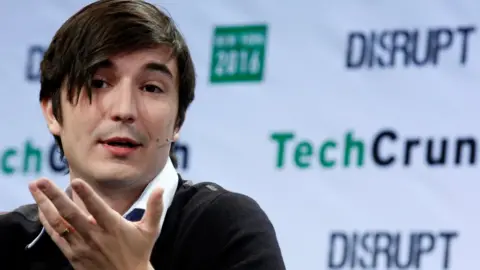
{"points": [[123, 104]]}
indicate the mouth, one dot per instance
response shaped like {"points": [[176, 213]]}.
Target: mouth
{"points": [[120, 142]]}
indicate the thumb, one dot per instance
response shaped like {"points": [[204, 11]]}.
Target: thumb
{"points": [[154, 210]]}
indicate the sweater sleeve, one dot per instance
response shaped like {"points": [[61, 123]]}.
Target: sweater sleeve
{"points": [[232, 232]]}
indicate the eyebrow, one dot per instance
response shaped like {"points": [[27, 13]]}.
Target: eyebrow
{"points": [[158, 67], [151, 66]]}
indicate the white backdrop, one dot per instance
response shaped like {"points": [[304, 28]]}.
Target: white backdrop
{"points": [[298, 105]]}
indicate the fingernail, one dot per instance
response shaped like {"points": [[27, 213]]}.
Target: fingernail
{"points": [[92, 220], [77, 187], [32, 187], [42, 185]]}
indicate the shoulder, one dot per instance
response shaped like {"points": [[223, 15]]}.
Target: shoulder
{"points": [[23, 216], [229, 206], [214, 197], [18, 227], [231, 228], [213, 202]]}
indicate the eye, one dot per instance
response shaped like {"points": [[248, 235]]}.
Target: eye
{"points": [[152, 88], [97, 83]]}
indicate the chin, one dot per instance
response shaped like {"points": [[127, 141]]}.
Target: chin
{"points": [[116, 172]]}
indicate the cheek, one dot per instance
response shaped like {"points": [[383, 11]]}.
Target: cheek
{"points": [[172, 118], [160, 118], [163, 126], [79, 124]]}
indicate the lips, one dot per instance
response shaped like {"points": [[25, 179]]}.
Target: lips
{"points": [[120, 147], [121, 142]]}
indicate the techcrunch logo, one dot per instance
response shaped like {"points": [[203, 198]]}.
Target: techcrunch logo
{"points": [[387, 148], [28, 159]]}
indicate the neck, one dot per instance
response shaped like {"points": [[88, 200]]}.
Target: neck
{"points": [[119, 199]]}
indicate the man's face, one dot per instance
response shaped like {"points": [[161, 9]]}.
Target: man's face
{"points": [[121, 137]]}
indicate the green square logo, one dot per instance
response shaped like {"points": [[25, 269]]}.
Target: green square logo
{"points": [[238, 54]]}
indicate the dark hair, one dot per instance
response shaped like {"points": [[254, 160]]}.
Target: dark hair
{"points": [[100, 30]]}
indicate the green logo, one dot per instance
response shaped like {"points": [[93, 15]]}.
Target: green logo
{"points": [[387, 148], [238, 54], [29, 159]]}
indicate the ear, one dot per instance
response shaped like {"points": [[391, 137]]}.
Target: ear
{"points": [[53, 124], [176, 135]]}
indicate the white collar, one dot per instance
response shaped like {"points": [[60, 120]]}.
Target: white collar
{"points": [[167, 179]]}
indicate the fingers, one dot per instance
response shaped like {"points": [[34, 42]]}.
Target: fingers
{"points": [[154, 210], [61, 242], [101, 213], [57, 207]]}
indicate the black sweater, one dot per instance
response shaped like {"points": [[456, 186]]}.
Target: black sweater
{"points": [[206, 228]]}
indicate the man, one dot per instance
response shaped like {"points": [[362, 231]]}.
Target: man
{"points": [[116, 82]]}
